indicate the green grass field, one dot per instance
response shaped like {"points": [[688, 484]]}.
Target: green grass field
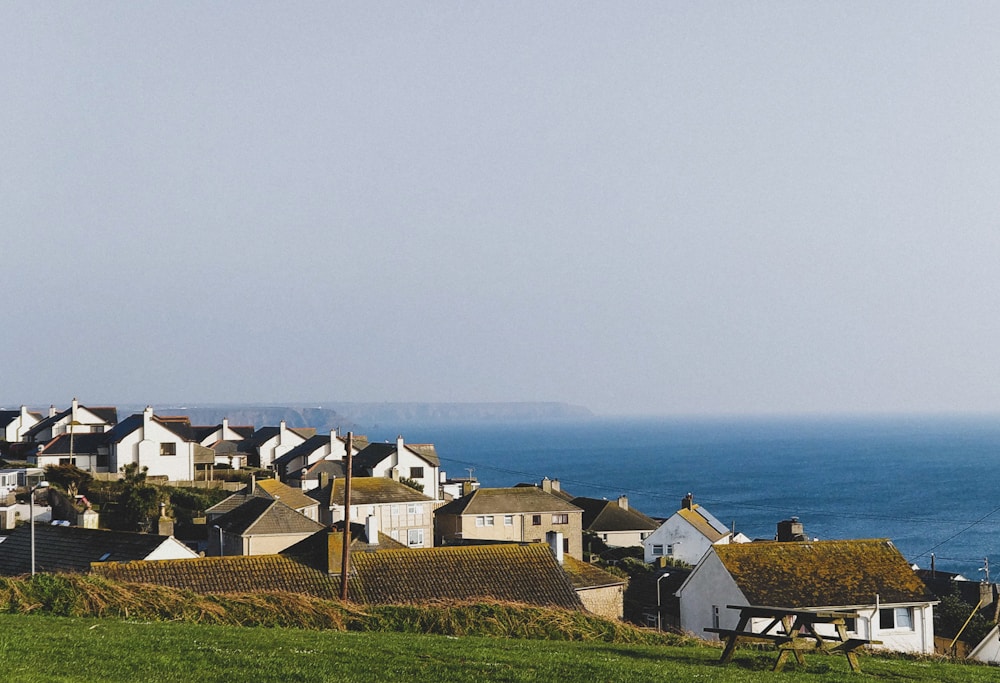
{"points": [[54, 649]]}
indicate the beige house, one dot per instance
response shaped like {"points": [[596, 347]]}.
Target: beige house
{"points": [[260, 526], [402, 513], [517, 514]]}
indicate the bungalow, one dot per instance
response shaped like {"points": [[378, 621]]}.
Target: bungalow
{"points": [[614, 522], [686, 535], [73, 548], [400, 511], [868, 577], [260, 526], [271, 489], [519, 513], [87, 451]]}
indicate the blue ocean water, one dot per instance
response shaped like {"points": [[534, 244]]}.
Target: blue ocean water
{"points": [[924, 482]]}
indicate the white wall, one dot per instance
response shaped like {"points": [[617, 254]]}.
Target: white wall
{"points": [[689, 543]]}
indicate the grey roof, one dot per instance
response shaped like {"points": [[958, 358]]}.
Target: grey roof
{"points": [[506, 500], [606, 515], [72, 549], [265, 517], [79, 444], [107, 413], [374, 453]]}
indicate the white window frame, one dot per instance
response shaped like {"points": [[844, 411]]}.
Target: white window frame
{"points": [[657, 550], [508, 520], [415, 538]]}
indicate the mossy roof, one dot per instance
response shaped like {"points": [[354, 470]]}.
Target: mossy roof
{"points": [[822, 573], [584, 575], [508, 572], [704, 522], [517, 573], [517, 499], [368, 491], [290, 496]]}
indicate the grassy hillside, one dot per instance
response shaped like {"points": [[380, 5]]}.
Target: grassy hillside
{"points": [[45, 649]]}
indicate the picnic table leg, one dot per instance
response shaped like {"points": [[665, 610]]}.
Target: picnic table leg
{"points": [[792, 629], [852, 657], [782, 658], [727, 653]]}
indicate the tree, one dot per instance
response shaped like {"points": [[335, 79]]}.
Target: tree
{"points": [[139, 501], [412, 483], [69, 478]]}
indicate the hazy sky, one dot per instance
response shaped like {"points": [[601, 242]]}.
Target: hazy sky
{"points": [[657, 207]]}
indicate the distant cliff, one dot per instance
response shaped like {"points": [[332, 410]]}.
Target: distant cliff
{"points": [[362, 416]]}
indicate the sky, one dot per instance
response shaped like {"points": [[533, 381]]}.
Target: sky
{"points": [[642, 208]]}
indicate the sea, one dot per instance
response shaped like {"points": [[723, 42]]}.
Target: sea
{"points": [[924, 482]]}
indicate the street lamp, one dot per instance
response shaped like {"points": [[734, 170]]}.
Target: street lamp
{"points": [[222, 551], [31, 518], [659, 610]]}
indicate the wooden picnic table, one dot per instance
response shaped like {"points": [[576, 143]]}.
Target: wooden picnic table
{"points": [[798, 633]]}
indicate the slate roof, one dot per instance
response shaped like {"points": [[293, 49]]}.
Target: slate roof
{"points": [[367, 491], [606, 515], [178, 425], [584, 575], [374, 453], [506, 501], [108, 414], [311, 444], [72, 549], [510, 572], [702, 520], [8, 416], [263, 517], [199, 432], [822, 573], [264, 433], [81, 444], [228, 504]]}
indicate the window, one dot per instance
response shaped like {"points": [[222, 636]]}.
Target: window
{"points": [[657, 550], [670, 549], [715, 616], [565, 545], [536, 520], [168, 449], [414, 509], [560, 519], [415, 538], [508, 520], [851, 624], [895, 618], [484, 520], [394, 510], [416, 473], [489, 520]]}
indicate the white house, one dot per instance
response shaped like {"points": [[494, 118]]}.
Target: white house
{"points": [[77, 419], [686, 535], [162, 444], [868, 577], [309, 452], [271, 443], [14, 423], [417, 462], [207, 435]]}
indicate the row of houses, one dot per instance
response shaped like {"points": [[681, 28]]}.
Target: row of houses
{"points": [[281, 521]]}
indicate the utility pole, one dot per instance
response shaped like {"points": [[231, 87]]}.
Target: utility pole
{"points": [[345, 557]]}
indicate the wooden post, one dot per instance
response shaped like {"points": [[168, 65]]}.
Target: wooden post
{"points": [[346, 552]]}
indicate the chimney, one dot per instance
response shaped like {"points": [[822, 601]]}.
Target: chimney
{"points": [[73, 408], [555, 485], [52, 411], [399, 446], [225, 427], [623, 502], [371, 529], [164, 525], [147, 415], [467, 488], [790, 530], [986, 593], [547, 485], [282, 428], [688, 502], [555, 541]]}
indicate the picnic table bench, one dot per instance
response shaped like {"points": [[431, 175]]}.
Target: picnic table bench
{"points": [[798, 633]]}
